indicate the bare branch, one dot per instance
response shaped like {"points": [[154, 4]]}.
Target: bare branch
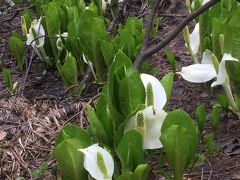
{"points": [[155, 48]]}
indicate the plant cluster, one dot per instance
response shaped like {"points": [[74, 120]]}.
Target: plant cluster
{"points": [[130, 119]]}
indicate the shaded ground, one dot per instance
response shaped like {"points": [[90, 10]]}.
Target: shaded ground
{"points": [[30, 123]]}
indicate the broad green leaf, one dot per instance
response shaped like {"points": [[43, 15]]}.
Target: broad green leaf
{"points": [[6, 73], [53, 24], [131, 92], [130, 150], [116, 73], [201, 116], [92, 31], [222, 100], [108, 52], [180, 118], [69, 70], [102, 112], [17, 48], [97, 127], [233, 71], [167, 82], [70, 131], [130, 37], [70, 159], [141, 173], [180, 147]]}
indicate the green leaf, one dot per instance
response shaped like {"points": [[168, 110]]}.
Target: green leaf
{"points": [[70, 159], [141, 173], [68, 70], [131, 92], [233, 71], [222, 100], [180, 118], [215, 116], [171, 59], [130, 150], [92, 31], [124, 99], [70, 131], [97, 127], [211, 145], [53, 24], [17, 48], [103, 114], [167, 82], [180, 146], [39, 172], [108, 52], [201, 116], [7, 78]]}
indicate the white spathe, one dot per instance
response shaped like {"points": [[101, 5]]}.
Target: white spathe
{"points": [[59, 42], [204, 2], [91, 163], [222, 76], [195, 39], [104, 4], [153, 119], [38, 28], [154, 115], [200, 73], [159, 94]]}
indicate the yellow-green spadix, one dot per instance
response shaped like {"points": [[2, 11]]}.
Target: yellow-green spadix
{"points": [[98, 162], [149, 120]]}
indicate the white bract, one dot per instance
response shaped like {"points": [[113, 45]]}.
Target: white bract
{"points": [[98, 162], [200, 73], [36, 39], [104, 4], [195, 39], [59, 42], [149, 121], [10, 2], [36, 30]]}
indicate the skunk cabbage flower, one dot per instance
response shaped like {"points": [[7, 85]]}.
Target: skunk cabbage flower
{"points": [[98, 162], [154, 88], [200, 73], [204, 2], [36, 30], [195, 39], [104, 4], [149, 121], [59, 42], [10, 2]]}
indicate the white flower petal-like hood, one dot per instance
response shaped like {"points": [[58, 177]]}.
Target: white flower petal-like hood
{"points": [[38, 28], [153, 119], [92, 162], [159, 93], [195, 39], [222, 73]]}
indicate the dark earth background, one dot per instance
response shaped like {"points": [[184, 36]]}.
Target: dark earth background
{"points": [[30, 123]]}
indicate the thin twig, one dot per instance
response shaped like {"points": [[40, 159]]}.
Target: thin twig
{"points": [[155, 48], [148, 26]]}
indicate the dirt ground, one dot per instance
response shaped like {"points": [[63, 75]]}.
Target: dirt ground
{"points": [[30, 122]]}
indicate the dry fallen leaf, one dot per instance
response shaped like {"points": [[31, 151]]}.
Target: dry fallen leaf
{"points": [[2, 135]]}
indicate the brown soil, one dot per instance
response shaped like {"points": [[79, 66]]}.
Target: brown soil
{"points": [[30, 123]]}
